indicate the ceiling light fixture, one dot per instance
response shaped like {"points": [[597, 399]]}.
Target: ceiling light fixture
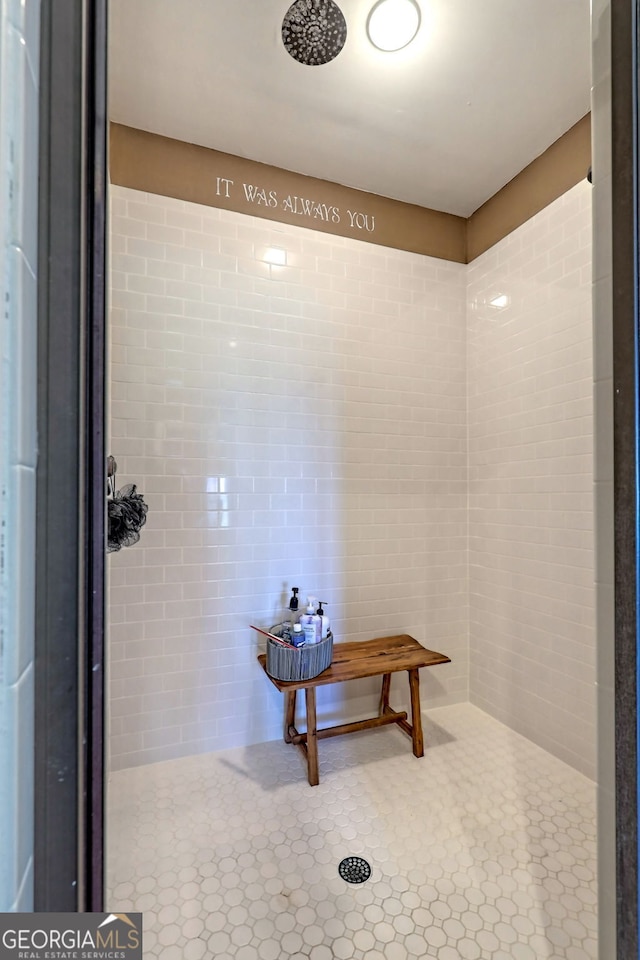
{"points": [[392, 24]]}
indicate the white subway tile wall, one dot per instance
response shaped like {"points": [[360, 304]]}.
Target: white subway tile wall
{"points": [[306, 425], [288, 425], [531, 552]]}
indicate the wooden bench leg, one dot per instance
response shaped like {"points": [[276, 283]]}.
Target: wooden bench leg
{"points": [[289, 713], [312, 741], [384, 695], [416, 720]]}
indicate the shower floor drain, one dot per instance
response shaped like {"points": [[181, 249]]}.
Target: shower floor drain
{"points": [[354, 870]]}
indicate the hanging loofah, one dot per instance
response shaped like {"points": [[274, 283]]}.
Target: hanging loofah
{"points": [[127, 514]]}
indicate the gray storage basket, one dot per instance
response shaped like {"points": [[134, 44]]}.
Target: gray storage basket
{"points": [[298, 663]]}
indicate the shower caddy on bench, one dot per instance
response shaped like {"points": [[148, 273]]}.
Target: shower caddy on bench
{"points": [[354, 661]]}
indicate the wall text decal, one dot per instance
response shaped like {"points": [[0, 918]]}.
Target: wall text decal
{"points": [[300, 206]]}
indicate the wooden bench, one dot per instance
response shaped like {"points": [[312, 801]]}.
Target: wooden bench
{"points": [[354, 661]]}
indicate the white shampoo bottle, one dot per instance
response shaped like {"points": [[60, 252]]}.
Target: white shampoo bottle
{"points": [[311, 623]]}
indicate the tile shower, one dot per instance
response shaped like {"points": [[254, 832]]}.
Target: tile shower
{"points": [[409, 439]]}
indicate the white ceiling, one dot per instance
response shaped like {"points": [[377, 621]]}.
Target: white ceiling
{"points": [[486, 87]]}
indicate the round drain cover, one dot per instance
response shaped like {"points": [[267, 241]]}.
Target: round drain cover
{"points": [[354, 870], [314, 31]]}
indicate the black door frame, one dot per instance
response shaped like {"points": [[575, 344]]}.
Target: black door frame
{"points": [[70, 497], [625, 273], [69, 774]]}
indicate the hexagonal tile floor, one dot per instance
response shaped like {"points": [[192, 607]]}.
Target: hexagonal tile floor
{"points": [[483, 849]]}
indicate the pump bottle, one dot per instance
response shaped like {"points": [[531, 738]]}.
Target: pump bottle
{"points": [[311, 623], [293, 603], [325, 624]]}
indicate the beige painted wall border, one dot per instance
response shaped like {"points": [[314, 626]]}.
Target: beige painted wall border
{"points": [[564, 164], [155, 164], [172, 168]]}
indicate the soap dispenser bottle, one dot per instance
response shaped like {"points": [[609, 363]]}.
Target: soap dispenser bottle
{"points": [[324, 627], [311, 623], [293, 603]]}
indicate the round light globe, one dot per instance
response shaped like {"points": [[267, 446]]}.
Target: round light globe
{"points": [[392, 24]]}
